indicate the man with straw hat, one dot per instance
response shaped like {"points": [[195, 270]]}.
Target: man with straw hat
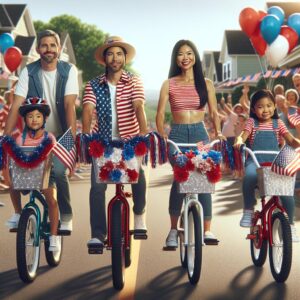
{"points": [[118, 97]]}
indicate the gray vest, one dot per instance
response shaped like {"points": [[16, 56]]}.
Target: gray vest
{"points": [[35, 86]]}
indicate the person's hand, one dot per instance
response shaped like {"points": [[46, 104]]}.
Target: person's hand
{"points": [[221, 137], [238, 143], [245, 90]]}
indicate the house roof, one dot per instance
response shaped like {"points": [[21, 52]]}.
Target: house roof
{"points": [[238, 43], [216, 55], [10, 14], [25, 43]]}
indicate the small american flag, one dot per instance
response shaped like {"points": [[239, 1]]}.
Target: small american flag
{"points": [[65, 150], [287, 161]]}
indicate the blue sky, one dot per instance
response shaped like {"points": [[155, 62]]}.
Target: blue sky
{"points": [[152, 26]]}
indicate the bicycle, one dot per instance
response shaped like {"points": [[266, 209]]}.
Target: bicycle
{"points": [[119, 234], [191, 229], [33, 225], [270, 225]]}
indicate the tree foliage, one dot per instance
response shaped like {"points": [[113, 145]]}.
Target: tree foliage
{"points": [[85, 39]]}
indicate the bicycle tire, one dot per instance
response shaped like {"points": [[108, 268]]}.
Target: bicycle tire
{"points": [[182, 246], [194, 247], [27, 253], [258, 246], [280, 253], [53, 258], [128, 254], [118, 247]]}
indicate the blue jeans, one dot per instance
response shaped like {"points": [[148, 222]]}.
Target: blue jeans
{"points": [[60, 177], [97, 203], [249, 185], [187, 133]]}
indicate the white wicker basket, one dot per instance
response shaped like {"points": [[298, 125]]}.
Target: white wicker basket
{"points": [[196, 184], [30, 178], [272, 184]]}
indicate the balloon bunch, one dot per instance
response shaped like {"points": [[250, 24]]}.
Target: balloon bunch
{"points": [[12, 54], [269, 34]]}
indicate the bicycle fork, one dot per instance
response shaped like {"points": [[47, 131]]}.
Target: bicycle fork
{"points": [[190, 200]]}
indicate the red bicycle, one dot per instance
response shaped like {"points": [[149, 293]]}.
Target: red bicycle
{"points": [[270, 225]]}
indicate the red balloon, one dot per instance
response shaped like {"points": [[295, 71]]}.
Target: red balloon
{"points": [[13, 58], [291, 35], [249, 20], [258, 42], [262, 14]]}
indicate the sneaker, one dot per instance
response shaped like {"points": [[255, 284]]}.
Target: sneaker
{"points": [[139, 222], [66, 226], [171, 240], [13, 221], [94, 243], [210, 238], [295, 237], [54, 245], [246, 220]]}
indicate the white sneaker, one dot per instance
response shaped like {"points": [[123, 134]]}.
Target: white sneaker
{"points": [[171, 240], [139, 222], [94, 242], [13, 221], [55, 244], [295, 237], [246, 220], [66, 225]]}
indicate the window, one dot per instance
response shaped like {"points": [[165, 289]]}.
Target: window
{"points": [[224, 72], [229, 70]]}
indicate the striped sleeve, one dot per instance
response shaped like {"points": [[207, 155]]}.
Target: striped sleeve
{"points": [[249, 125], [138, 92], [89, 96], [282, 128]]}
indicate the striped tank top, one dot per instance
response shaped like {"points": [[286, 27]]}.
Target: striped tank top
{"points": [[183, 97]]}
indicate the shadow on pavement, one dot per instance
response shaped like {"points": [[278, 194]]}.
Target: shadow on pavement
{"points": [[86, 286], [10, 282], [167, 286], [162, 181], [245, 281]]}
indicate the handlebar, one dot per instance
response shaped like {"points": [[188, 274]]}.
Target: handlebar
{"points": [[177, 145], [253, 154]]}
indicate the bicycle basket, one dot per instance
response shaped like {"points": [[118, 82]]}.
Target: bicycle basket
{"points": [[272, 184], [197, 183], [118, 171], [30, 178]]}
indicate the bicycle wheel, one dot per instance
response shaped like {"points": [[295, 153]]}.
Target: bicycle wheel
{"points": [[181, 241], [118, 247], [194, 247], [280, 253], [128, 254], [28, 248], [53, 258], [258, 245]]}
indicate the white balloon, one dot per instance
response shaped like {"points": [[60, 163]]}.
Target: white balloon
{"points": [[277, 51]]}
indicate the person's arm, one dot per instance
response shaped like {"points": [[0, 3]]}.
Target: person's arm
{"points": [[291, 140], [213, 109], [244, 100], [69, 102], [161, 108], [87, 117], [13, 115], [138, 106]]}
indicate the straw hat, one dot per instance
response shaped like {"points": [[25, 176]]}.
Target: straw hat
{"points": [[114, 41]]}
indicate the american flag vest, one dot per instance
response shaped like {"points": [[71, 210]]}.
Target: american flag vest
{"points": [[103, 107]]}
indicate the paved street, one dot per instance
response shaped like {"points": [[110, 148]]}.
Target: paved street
{"points": [[227, 270]]}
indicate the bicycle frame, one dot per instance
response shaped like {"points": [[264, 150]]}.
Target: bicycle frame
{"points": [[34, 194], [119, 196], [189, 201]]}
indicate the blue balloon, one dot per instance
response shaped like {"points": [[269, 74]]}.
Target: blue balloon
{"points": [[270, 28], [277, 11], [294, 22], [6, 41]]}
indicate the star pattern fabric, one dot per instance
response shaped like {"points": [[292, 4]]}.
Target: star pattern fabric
{"points": [[103, 107]]}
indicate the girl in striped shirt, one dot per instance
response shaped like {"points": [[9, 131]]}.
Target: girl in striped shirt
{"points": [[264, 131]]}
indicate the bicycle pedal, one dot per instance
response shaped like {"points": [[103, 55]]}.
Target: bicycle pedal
{"points": [[94, 250], [139, 234], [169, 248], [13, 230], [211, 242], [64, 232]]}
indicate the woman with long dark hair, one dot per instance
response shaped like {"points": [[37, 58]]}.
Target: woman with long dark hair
{"points": [[188, 93]]}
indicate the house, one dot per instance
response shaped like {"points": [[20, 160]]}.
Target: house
{"points": [[16, 19], [211, 67]]}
